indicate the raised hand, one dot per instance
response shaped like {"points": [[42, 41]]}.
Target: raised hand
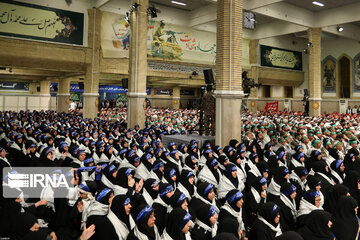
{"points": [[87, 232]]}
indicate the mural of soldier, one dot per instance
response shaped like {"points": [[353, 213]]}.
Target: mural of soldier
{"points": [[159, 33], [165, 41], [357, 75], [329, 75]]}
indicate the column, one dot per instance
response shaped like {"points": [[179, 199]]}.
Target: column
{"points": [[229, 91], [176, 98], [137, 64], [252, 102], [315, 71], [32, 87], [45, 87], [45, 94], [92, 74], [63, 95]]}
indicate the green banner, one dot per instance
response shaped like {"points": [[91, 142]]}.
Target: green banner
{"points": [[76, 97], [41, 23], [121, 98], [280, 58]]}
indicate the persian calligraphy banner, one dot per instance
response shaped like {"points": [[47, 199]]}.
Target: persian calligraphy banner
{"points": [[280, 58], [274, 106], [163, 92], [74, 87], [14, 86], [30, 21]]}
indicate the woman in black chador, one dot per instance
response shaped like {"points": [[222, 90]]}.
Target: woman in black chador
{"points": [[266, 226], [178, 225], [317, 226], [345, 223]]}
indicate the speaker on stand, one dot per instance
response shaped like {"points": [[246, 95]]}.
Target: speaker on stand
{"points": [[208, 75], [125, 82]]}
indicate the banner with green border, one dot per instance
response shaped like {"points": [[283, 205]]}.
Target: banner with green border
{"points": [[280, 58], [28, 21]]}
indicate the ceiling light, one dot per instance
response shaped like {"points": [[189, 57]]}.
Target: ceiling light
{"points": [[318, 3], [340, 29], [178, 3], [309, 44]]}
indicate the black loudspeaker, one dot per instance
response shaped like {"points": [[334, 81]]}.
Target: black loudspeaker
{"points": [[208, 75], [244, 75], [306, 92], [81, 85], [38, 89], [55, 88], [125, 82]]}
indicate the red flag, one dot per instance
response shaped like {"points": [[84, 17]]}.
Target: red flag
{"points": [[272, 106]]}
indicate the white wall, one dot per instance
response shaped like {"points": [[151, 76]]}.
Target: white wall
{"points": [[80, 6], [169, 15], [277, 91], [340, 46]]}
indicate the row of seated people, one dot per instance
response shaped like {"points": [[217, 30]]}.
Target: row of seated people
{"points": [[278, 180]]}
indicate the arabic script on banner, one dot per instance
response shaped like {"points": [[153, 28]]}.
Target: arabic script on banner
{"points": [[38, 22], [20, 20], [280, 58], [274, 106]]}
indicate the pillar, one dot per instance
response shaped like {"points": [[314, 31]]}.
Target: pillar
{"points": [[63, 95], [252, 101], [32, 87], [137, 64], [44, 95], [176, 98], [229, 91], [315, 71], [92, 74], [45, 87]]}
